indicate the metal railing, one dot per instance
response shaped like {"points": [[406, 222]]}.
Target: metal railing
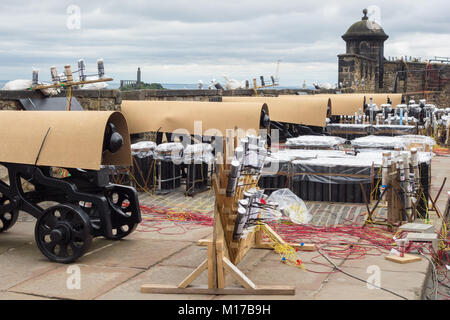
{"points": [[440, 59], [132, 83]]}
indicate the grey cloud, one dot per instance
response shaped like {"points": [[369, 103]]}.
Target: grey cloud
{"points": [[213, 35]]}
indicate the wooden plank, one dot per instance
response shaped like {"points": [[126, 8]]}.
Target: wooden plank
{"points": [[259, 290], [407, 258], [238, 275], [203, 242], [220, 271], [268, 245], [212, 274], [304, 247], [194, 275], [258, 237], [244, 246], [274, 234]]}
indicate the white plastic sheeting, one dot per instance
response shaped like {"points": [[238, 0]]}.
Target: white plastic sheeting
{"points": [[143, 149], [199, 152], [315, 142], [169, 151]]}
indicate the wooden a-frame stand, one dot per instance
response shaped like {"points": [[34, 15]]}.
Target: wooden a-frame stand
{"points": [[224, 253]]}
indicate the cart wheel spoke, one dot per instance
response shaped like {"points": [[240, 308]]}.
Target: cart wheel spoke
{"points": [[50, 246]]}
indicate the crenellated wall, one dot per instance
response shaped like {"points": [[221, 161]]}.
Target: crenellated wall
{"points": [[112, 99]]}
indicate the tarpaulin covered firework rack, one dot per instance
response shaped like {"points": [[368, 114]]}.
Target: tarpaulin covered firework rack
{"points": [[352, 131], [162, 168], [318, 179], [56, 172], [336, 176]]}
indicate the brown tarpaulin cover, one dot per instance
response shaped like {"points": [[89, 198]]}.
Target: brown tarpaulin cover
{"points": [[171, 116], [75, 138], [381, 98], [345, 104], [298, 109], [349, 103]]}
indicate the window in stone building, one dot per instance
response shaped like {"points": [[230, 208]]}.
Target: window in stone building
{"points": [[361, 70], [364, 48]]}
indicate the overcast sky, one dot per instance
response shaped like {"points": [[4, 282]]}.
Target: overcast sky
{"points": [[176, 41]]}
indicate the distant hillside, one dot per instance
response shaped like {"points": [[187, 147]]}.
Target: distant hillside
{"points": [[142, 86]]}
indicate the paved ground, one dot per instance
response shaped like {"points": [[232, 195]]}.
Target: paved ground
{"points": [[164, 252]]}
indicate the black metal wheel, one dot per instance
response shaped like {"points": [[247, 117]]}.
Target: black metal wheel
{"points": [[8, 213], [122, 231], [125, 215], [63, 233]]}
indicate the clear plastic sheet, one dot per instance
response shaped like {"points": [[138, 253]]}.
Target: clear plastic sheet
{"points": [[198, 153], [329, 171], [379, 129], [315, 142], [342, 127], [280, 161], [291, 206], [169, 151]]}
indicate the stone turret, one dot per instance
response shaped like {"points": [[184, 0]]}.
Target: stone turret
{"points": [[365, 38]]}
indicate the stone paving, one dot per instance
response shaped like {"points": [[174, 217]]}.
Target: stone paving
{"points": [[116, 270]]}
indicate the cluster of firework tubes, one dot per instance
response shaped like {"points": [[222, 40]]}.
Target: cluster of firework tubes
{"points": [[254, 206]]}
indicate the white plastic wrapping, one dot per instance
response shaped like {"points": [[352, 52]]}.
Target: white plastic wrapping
{"points": [[378, 142], [199, 152], [315, 142], [169, 151], [143, 149], [23, 84], [19, 84], [404, 142], [291, 206], [280, 161], [421, 143]]}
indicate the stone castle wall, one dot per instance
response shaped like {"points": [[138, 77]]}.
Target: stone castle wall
{"points": [[357, 72], [112, 99], [417, 80]]}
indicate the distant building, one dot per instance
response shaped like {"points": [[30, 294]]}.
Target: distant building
{"points": [[364, 68], [363, 63]]}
